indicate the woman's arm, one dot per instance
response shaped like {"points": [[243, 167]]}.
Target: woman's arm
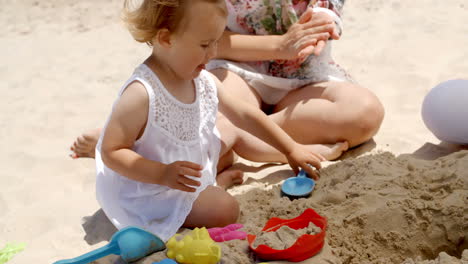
{"points": [[297, 42], [239, 47]]}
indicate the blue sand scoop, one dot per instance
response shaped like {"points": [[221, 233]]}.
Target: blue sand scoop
{"points": [[131, 243], [298, 187], [166, 261]]}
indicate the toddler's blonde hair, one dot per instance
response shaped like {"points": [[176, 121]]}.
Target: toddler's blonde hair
{"points": [[144, 21]]}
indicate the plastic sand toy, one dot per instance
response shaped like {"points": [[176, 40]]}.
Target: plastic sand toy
{"points": [[10, 250], [305, 246], [197, 247], [298, 187], [131, 243], [229, 232], [166, 261]]}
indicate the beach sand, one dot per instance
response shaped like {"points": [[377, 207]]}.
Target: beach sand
{"points": [[400, 198]]}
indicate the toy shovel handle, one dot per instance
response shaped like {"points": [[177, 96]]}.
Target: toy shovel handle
{"points": [[108, 249], [302, 173]]}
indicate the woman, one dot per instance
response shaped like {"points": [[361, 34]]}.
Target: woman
{"points": [[314, 101]]}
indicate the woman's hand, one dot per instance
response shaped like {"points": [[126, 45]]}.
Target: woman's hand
{"points": [[302, 157], [175, 176], [307, 36], [333, 35]]}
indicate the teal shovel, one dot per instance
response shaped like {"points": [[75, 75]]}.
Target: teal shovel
{"points": [[131, 243]]}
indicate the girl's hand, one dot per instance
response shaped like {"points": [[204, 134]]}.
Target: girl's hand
{"points": [[175, 175], [307, 36], [301, 157]]}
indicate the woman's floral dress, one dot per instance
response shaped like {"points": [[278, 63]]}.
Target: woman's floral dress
{"points": [[274, 79]]}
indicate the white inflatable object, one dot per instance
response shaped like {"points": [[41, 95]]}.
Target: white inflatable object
{"points": [[445, 111]]}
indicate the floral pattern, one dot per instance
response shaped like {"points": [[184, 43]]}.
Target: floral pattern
{"points": [[274, 17]]}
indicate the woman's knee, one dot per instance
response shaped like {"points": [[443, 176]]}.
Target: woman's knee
{"points": [[371, 116], [365, 120]]}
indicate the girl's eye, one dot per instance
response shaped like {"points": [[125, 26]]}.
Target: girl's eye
{"points": [[205, 46]]}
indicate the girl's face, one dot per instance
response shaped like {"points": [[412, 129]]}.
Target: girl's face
{"points": [[195, 43]]}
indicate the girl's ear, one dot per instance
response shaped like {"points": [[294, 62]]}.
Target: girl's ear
{"points": [[163, 38]]}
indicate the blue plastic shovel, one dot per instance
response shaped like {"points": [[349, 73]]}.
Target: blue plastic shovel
{"points": [[131, 243], [298, 187]]}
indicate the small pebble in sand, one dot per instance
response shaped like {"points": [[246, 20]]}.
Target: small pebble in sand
{"points": [[284, 237]]}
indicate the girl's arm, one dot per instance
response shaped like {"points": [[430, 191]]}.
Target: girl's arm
{"points": [[125, 126], [254, 121]]}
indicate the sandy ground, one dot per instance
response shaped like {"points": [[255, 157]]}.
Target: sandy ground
{"points": [[402, 196]]}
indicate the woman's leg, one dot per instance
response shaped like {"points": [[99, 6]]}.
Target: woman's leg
{"points": [[330, 112], [247, 145], [252, 148], [214, 207]]}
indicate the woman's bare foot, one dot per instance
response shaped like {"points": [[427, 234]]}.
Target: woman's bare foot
{"points": [[84, 145], [329, 151], [228, 178]]}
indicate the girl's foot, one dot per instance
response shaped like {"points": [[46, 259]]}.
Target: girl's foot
{"points": [[84, 145], [330, 151], [229, 178]]}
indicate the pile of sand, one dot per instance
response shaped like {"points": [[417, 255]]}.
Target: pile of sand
{"points": [[380, 209], [284, 237]]}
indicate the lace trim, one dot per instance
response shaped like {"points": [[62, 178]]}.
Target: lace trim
{"points": [[179, 121]]}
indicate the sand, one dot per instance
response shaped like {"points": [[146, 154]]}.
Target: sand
{"points": [[401, 198], [284, 237], [380, 209]]}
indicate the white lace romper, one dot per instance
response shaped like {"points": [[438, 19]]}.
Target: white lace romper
{"points": [[175, 131]]}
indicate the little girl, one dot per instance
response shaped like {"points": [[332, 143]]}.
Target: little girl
{"points": [[157, 155]]}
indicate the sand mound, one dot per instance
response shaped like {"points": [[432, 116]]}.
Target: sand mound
{"points": [[380, 209], [383, 209], [443, 258]]}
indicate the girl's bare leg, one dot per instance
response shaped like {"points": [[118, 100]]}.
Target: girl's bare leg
{"points": [[214, 207], [228, 176]]}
